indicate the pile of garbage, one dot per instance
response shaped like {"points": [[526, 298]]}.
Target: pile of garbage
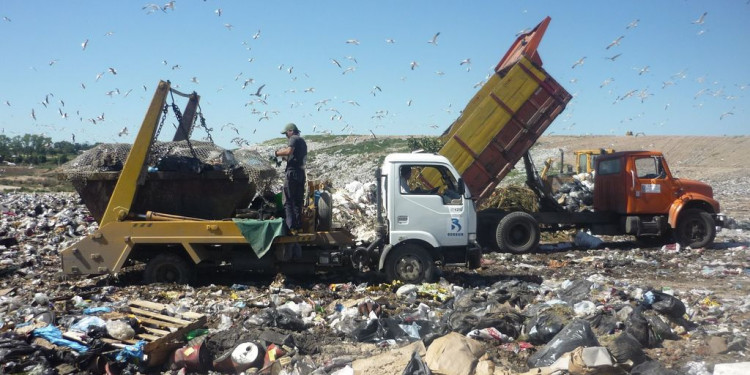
{"points": [[581, 312], [577, 195]]}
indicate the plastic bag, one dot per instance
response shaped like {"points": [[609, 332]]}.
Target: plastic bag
{"points": [[666, 304], [576, 333], [542, 328], [376, 330], [577, 291], [637, 326], [626, 348], [416, 366]]}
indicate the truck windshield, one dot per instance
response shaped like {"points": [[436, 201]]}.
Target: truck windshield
{"points": [[429, 180], [649, 167]]}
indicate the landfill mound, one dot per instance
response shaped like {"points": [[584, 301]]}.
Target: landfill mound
{"points": [[189, 178]]}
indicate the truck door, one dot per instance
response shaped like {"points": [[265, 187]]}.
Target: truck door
{"points": [[427, 205], [651, 191]]}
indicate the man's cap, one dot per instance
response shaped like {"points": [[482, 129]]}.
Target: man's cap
{"points": [[290, 126]]}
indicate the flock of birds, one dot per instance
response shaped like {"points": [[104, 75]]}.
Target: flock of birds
{"points": [[259, 96], [644, 94]]}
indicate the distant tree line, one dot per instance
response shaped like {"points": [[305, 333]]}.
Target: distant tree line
{"points": [[38, 149]]}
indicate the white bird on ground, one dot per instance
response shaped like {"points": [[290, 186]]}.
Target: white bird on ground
{"points": [[433, 41], [579, 62], [701, 19], [615, 42]]}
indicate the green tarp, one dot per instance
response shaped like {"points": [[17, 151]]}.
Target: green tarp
{"points": [[260, 233]]}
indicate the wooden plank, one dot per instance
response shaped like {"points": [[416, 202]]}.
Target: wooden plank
{"points": [[159, 323], [159, 307], [153, 346], [147, 337], [116, 343], [155, 331], [159, 316]]}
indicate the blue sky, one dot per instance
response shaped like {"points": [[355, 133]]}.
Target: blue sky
{"points": [[674, 75]]}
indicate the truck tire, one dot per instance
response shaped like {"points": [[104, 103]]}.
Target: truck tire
{"points": [[695, 228], [325, 212], [169, 268], [409, 263], [517, 232]]}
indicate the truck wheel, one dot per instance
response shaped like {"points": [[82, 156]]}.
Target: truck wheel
{"points": [[325, 212], [517, 232], [169, 268], [410, 264], [695, 228]]}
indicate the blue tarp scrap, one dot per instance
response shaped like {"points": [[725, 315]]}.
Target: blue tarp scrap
{"points": [[134, 351], [54, 335]]}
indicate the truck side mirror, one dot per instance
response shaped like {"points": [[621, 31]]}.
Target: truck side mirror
{"points": [[461, 186]]}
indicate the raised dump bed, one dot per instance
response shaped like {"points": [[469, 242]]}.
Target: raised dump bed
{"points": [[207, 183]]}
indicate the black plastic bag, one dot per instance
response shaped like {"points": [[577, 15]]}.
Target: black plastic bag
{"points": [[637, 326], [416, 366], [577, 291], [543, 327], [626, 348], [576, 333], [605, 323], [376, 330], [659, 330], [667, 304]]}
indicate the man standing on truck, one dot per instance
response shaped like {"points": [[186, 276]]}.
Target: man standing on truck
{"points": [[294, 184]]}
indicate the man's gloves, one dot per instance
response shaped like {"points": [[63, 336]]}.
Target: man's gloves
{"points": [[274, 158]]}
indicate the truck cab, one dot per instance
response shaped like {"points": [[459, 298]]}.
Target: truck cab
{"points": [[430, 216], [639, 186]]}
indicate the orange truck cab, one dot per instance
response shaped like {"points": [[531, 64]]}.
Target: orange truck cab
{"points": [[638, 187]]}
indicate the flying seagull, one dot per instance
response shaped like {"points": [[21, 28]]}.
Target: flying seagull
{"points": [[434, 39], [579, 62], [701, 19]]}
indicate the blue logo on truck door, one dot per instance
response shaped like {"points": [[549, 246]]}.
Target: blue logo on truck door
{"points": [[455, 228]]}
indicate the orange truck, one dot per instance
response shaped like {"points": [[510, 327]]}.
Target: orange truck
{"points": [[634, 193]]}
